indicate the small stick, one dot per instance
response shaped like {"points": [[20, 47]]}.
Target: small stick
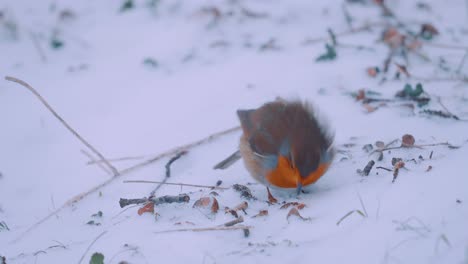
{"points": [[90, 245], [238, 220], [181, 198], [38, 46], [181, 148], [383, 168], [168, 170], [116, 160], [46, 104], [414, 146], [92, 159], [367, 169], [96, 188], [178, 184], [227, 162], [215, 228], [462, 62]]}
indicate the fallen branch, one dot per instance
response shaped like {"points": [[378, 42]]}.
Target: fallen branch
{"points": [[181, 198], [64, 123], [202, 229], [238, 220], [96, 188], [92, 159], [168, 170], [178, 184], [367, 169], [383, 168], [90, 245], [227, 162]]}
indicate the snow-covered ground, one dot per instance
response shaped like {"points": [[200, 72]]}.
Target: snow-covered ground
{"points": [[140, 81]]}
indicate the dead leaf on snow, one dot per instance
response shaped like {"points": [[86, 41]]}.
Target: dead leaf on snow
{"points": [[271, 199], [407, 140], [261, 213], [148, 208], [294, 211]]}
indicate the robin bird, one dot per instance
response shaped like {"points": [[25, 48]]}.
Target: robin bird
{"points": [[284, 145]]}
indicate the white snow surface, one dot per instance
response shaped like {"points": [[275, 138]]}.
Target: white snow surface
{"points": [[207, 69]]}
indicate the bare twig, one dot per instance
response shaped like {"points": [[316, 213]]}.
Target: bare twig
{"points": [[181, 198], [238, 220], [414, 146], [352, 31], [96, 188], [168, 170], [383, 168], [90, 245], [180, 148], [227, 162], [215, 228], [462, 62], [38, 47], [116, 159], [367, 169], [92, 159], [46, 104], [178, 184]]}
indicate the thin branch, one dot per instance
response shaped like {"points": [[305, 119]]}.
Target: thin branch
{"points": [[215, 228], [38, 47], [180, 148], [414, 146], [90, 245], [181, 198], [168, 170], [462, 62], [46, 104], [116, 160], [227, 162], [178, 184], [96, 188], [352, 31], [92, 159]]}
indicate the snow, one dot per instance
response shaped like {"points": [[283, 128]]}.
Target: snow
{"points": [[100, 85]]}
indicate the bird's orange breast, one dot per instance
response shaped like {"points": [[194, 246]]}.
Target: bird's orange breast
{"points": [[286, 176]]}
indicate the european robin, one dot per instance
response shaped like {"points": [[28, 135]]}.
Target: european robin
{"points": [[284, 145]]}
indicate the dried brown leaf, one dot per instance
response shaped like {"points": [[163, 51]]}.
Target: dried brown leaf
{"points": [[271, 199], [215, 206], [242, 206], [403, 69], [429, 28], [393, 38], [298, 205], [361, 95], [294, 211], [372, 71], [202, 202], [147, 208], [407, 140], [261, 213]]}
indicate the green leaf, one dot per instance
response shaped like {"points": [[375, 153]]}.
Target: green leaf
{"points": [[97, 258], [56, 43], [93, 223], [4, 226], [409, 91], [98, 214], [329, 55], [127, 5], [151, 62]]}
